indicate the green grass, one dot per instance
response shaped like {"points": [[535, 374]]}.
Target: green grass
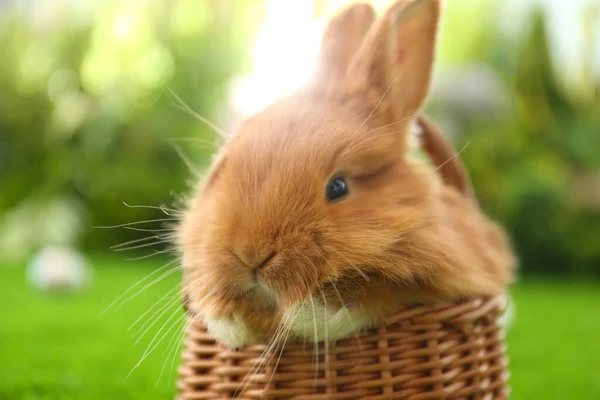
{"points": [[554, 344], [60, 347]]}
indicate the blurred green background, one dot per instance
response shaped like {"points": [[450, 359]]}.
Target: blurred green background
{"points": [[91, 129]]}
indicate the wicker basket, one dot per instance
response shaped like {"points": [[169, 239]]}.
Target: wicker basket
{"points": [[424, 352]]}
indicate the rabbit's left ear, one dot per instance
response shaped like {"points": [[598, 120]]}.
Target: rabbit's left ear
{"points": [[395, 59], [341, 39]]}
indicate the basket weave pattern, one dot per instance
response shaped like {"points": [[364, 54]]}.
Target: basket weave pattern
{"points": [[424, 352]]}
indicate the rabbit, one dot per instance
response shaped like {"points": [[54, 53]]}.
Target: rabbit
{"points": [[315, 218]]}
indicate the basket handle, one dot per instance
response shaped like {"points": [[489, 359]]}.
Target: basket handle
{"points": [[444, 157]]}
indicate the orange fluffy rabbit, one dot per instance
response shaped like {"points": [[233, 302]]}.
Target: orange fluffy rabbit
{"points": [[315, 218]]}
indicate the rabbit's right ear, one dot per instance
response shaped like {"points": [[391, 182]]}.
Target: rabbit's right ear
{"points": [[341, 39]]}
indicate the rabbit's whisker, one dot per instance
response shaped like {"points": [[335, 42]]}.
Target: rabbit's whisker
{"points": [[138, 283], [134, 223], [282, 349], [315, 344], [326, 341], [153, 282], [347, 311], [167, 211], [172, 346], [182, 105], [204, 143], [154, 343], [168, 305], [148, 230], [264, 357], [156, 303], [453, 157], [154, 253]]}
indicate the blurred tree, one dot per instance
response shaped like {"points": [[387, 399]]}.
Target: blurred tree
{"points": [[85, 111], [535, 165]]}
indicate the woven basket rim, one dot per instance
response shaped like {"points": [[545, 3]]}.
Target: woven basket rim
{"points": [[444, 351]]}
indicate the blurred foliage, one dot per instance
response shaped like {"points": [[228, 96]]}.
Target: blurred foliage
{"points": [[536, 165], [85, 109], [85, 115]]}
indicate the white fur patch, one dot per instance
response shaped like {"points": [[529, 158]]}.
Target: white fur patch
{"points": [[508, 316], [312, 321], [232, 332]]}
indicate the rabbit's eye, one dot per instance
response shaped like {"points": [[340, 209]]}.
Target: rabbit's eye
{"points": [[336, 189]]}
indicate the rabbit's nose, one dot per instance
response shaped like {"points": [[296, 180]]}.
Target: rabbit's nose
{"points": [[255, 261], [262, 264]]}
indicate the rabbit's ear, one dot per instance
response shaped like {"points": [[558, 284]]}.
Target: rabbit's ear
{"points": [[341, 39], [396, 57]]}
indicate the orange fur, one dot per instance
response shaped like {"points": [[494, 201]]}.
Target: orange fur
{"points": [[401, 236]]}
